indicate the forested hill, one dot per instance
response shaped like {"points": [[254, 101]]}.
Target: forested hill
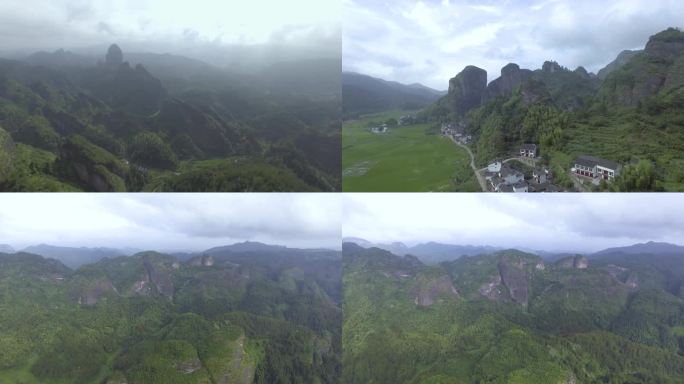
{"points": [[150, 318], [511, 317], [365, 94], [630, 114], [69, 122]]}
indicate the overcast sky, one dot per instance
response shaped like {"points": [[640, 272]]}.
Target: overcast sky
{"points": [[431, 41], [53, 24], [170, 221], [551, 222]]}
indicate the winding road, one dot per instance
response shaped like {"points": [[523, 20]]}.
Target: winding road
{"points": [[478, 175], [478, 172]]}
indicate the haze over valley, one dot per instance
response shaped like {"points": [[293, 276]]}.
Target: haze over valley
{"points": [[179, 101]]}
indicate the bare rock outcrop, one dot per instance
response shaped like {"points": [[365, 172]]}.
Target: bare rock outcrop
{"points": [[514, 277], [91, 294], [467, 89], [428, 293]]}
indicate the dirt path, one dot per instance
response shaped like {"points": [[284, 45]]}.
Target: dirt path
{"points": [[477, 172]]}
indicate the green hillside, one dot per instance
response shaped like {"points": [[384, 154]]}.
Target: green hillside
{"points": [[510, 317], [149, 318], [632, 115]]}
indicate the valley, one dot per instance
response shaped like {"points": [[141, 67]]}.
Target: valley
{"points": [[407, 158], [617, 131], [149, 122]]}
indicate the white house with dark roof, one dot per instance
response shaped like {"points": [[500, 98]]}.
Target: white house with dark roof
{"points": [[379, 129], [528, 150], [494, 167], [596, 168], [540, 175], [510, 175], [506, 179], [520, 186]]}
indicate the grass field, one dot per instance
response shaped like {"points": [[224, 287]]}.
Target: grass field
{"points": [[405, 159]]}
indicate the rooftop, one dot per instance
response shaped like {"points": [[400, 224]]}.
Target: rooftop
{"points": [[590, 161]]}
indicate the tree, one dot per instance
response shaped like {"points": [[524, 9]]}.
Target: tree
{"points": [[149, 150], [391, 123], [637, 178]]}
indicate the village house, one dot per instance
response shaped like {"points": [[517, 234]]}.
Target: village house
{"points": [[511, 176], [507, 180], [540, 175], [528, 150], [520, 186], [406, 120], [379, 129], [595, 168], [494, 167]]}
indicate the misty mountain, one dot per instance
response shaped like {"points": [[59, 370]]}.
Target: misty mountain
{"points": [[76, 257], [366, 94], [650, 247], [429, 253], [5, 248], [145, 121]]}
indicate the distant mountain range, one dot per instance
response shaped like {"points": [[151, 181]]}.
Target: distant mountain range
{"points": [[433, 252], [429, 253], [4, 248], [75, 257], [650, 247], [365, 94]]}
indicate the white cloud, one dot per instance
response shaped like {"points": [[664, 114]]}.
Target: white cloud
{"points": [[170, 221], [580, 222], [69, 23], [491, 34]]}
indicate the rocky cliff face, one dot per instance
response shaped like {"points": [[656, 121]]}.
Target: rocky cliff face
{"points": [[467, 89], [429, 293], [511, 78], [515, 279], [577, 262], [656, 69], [91, 295], [201, 261], [665, 46], [114, 56], [551, 67], [121, 86], [160, 279], [623, 58]]}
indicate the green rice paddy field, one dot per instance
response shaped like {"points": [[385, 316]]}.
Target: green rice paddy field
{"points": [[404, 159]]}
